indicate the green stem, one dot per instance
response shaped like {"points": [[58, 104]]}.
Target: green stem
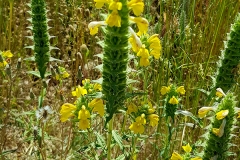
{"points": [[109, 138], [10, 23]]}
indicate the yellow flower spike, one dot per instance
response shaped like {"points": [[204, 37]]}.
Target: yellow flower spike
{"points": [[142, 24], [173, 100], [114, 19], [97, 86], [153, 118], [99, 3], [80, 91], [137, 128], [220, 93], [165, 90], [93, 26], [65, 74], [176, 156], [84, 124], [219, 131], [97, 105], [187, 148], [222, 114], [132, 108], [115, 5], [83, 114], [196, 158], [202, 112], [7, 54], [137, 6], [67, 111], [181, 90]]}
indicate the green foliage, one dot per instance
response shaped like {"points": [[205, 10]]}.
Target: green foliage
{"points": [[219, 146], [40, 35], [115, 59]]}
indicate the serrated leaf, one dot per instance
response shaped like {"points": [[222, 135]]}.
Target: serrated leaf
{"points": [[117, 138], [100, 139]]}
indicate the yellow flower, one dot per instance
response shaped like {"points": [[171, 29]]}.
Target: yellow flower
{"points": [[85, 81], [173, 100], [84, 124], [99, 3], [114, 19], [67, 111], [219, 131], [65, 74], [93, 26], [115, 5], [137, 127], [176, 156], [97, 86], [196, 158], [83, 114], [155, 46], [7, 54], [135, 41], [80, 91], [3, 64], [187, 148], [144, 62], [97, 105], [220, 93], [165, 90], [143, 52], [132, 108], [153, 119], [202, 112], [137, 6], [222, 114], [181, 90], [150, 109], [142, 24]]}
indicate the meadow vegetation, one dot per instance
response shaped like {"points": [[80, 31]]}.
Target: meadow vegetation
{"points": [[119, 79]]}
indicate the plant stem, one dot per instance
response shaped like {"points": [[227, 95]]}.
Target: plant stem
{"points": [[109, 138]]}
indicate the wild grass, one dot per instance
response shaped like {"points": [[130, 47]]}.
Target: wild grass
{"points": [[192, 34]]}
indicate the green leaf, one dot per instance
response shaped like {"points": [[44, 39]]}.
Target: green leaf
{"points": [[117, 138], [100, 139], [35, 73]]}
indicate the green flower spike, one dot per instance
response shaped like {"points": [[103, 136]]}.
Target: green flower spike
{"points": [[115, 59], [229, 59], [219, 137], [40, 35]]}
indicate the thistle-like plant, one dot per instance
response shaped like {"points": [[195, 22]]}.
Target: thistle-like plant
{"points": [[40, 36], [229, 58], [220, 133]]}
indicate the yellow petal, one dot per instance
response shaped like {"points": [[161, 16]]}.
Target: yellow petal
{"points": [[176, 156], [181, 90], [173, 100], [187, 148], [222, 114], [202, 112], [114, 19], [67, 111], [84, 124], [7, 54], [165, 90], [196, 158], [83, 114]]}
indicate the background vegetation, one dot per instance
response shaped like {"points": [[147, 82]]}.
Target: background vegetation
{"points": [[192, 34]]}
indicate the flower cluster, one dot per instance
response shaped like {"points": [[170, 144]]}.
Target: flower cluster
{"points": [[188, 150], [145, 114], [59, 73], [5, 58], [84, 106], [143, 47], [172, 93]]}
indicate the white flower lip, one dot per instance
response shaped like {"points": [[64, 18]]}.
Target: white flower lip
{"points": [[138, 41], [96, 23]]}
